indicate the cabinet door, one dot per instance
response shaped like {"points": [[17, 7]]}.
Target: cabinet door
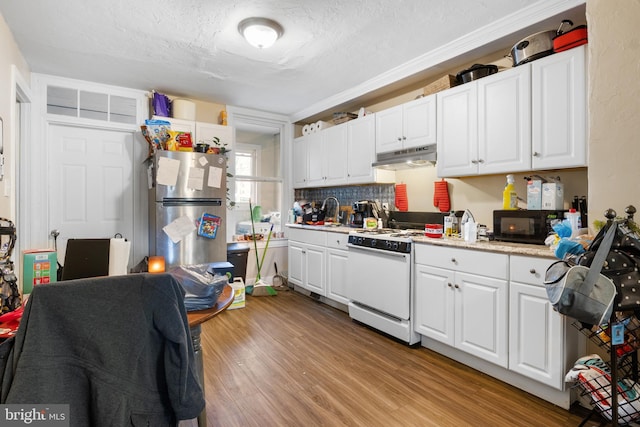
{"points": [[504, 121], [208, 131], [299, 166], [481, 308], [433, 303], [457, 131], [389, 129], [361, 142], [559, 110], [419, 122], [536, 335], [314, 262], [334, 154], [337, 275], [181, 125], [315, 160], [295, 263]]}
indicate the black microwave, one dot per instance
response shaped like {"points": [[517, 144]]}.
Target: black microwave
{"points": [[523, 226]]}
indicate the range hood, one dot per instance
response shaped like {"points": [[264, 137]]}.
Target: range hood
{"points": [[424, 155]]}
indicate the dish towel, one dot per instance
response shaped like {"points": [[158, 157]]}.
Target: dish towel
{"points": [[441, 196], [402, 203]]}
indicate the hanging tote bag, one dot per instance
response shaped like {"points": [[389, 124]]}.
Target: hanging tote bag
{"points": [[582, 292], [622, 264]]}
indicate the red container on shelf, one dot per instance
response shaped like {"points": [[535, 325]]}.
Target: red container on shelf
{"points": [[573, 38], [433, 230]]}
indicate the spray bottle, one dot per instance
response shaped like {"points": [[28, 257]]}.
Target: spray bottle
{"points": [[509, 196]]}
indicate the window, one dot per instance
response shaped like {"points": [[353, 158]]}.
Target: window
{"points": [[91, 105], [257, 178]]}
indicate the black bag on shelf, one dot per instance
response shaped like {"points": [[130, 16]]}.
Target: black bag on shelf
{"points": [[621, 264]]}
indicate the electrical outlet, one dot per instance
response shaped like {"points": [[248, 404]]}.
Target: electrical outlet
{"points": [[385, 206]]}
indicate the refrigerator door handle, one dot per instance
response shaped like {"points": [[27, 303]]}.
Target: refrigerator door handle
{"points": [[192, 202]]}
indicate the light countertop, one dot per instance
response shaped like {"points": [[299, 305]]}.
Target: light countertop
{"points": [[492, 246]]}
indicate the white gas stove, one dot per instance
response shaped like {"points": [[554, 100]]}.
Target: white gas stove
{"points": [[379, 272]]}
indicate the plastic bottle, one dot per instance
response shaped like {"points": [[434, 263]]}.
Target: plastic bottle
{"points": [[574, 219], [450, 225], [509, 196]]}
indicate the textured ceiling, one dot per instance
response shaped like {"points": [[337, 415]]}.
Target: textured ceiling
{"points": [[191, 48]]}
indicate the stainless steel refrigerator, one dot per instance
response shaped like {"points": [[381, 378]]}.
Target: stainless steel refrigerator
{"points": [[187, 207]]}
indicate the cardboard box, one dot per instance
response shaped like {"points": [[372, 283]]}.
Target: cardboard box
{"points": [[534, 194], [39, 267], [239, 294], [553, 196], [441, 84]]}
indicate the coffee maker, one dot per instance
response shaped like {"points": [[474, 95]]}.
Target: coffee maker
{"points": [[361, 210]]}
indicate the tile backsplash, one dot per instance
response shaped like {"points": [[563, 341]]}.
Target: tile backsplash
{"points": [[383, 193]]}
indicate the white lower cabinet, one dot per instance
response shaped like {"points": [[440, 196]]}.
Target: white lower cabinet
{"points": [[461, 299], [337, 256], [318, 262], [307, 260], [537, 334]]}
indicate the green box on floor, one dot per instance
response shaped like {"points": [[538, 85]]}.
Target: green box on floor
{"points": [[39, 266]]}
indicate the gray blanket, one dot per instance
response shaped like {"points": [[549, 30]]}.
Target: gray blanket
{"points": [[116, 349]]}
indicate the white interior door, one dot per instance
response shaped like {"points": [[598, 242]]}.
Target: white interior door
{"points": [[90, 183]]}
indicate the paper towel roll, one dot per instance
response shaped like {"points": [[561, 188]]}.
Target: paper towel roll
{"points": [[118, 256], [319, 125], [306, 130], [183, 109]]}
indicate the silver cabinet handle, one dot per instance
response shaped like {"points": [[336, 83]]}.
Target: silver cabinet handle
{"points": [[453, 260], [480, 161], [450, 285], [532, 271], [456, 286], [536, 154], [475, 162]]}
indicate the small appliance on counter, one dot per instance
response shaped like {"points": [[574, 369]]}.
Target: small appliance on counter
{"points": [[361, 211], [524, 226]]}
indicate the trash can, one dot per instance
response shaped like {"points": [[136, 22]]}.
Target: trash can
{"points": [[238, 254]]}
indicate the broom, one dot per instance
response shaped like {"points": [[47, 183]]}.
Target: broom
{"points": [[260, 288], [263, 288]]}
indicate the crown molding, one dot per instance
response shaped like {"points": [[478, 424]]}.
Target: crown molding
{"points": [[510, 25]]}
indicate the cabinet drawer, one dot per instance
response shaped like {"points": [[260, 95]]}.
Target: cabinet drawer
{"points": [[529, 270], [312, 237], [464, 260], [337, 240]]}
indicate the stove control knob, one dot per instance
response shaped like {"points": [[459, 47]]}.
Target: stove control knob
{"points": [[373, 243], [396, 245]]}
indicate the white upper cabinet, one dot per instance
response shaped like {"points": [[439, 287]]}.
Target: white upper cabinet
{"points": [[338, 155], [361, 141], [531, 117], [484, 127], [327, 157], [458, 131], [408, 125], [504, 121], [206, 132], [560, 110], [201, 131]]}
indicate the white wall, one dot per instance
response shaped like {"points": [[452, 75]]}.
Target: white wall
{"points": [[9, 56], [614, 99]]}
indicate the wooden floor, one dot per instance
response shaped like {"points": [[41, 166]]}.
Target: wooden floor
{"points": [[288, 360]]}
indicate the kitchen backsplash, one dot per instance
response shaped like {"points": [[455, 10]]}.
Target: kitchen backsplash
{"points": [[384, 193]]}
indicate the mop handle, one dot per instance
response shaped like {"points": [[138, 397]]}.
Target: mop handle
{"points": [[255, 244], [266, 246]]}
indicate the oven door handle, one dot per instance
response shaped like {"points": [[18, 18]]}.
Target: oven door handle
{"points": [[376, 251]]}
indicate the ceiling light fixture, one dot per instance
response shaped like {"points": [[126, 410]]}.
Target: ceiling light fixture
{"points": [[260, 32]]}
